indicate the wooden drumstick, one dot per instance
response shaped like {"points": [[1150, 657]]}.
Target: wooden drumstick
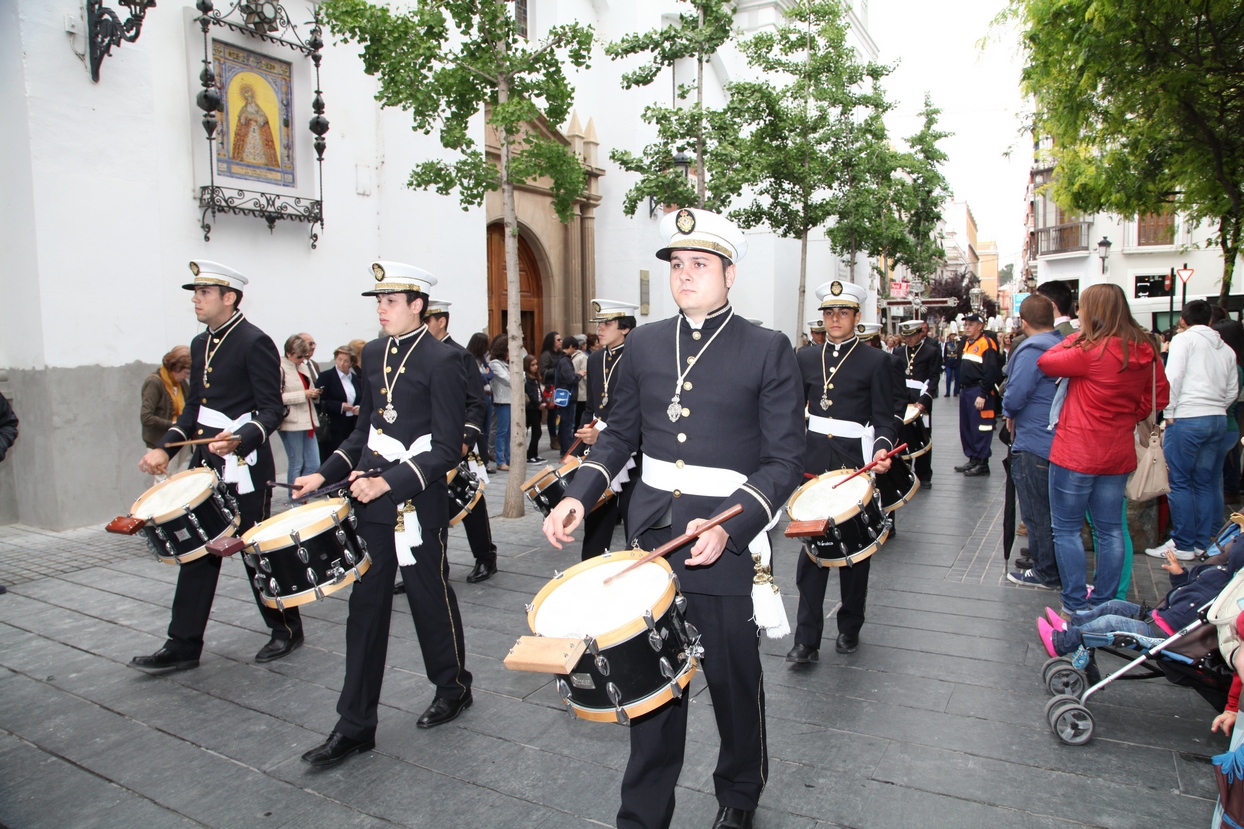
{"points": [[569, 519], [577, 441], [673, 544], [864, 469], [195, 442]]}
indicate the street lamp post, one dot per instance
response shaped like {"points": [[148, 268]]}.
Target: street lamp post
{"points": [[1103, 251], [976, 298]]}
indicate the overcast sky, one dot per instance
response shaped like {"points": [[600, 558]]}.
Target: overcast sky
{"points": [[936, 48]]}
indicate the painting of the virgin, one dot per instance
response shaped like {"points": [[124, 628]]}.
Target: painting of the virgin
{"points": [[254, 141]]}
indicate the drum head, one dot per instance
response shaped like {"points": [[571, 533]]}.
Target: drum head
{"points": [[187, 488], [581, 604], [307, 520], [817, 500], [911, 414]]}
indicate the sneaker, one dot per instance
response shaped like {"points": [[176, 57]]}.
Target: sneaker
{"points": [[1029, 578], [1161, 550], [1056, 621], [1046, 632]]}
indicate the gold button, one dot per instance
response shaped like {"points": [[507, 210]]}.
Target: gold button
{"points": [[678, 493], [831, 385], [215, 339], [686, 412], [204, 399], [379, 411], [402, 370], [209, 369], [200, 431], [387, 369], [679, 464], [394, 351], [207, 385], [690, 361], [380, 431], [682, 438], [830, 402], [686, 386], [695, 335]]}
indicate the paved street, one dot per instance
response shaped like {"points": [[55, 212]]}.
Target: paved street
{"points": [[936, 721]]}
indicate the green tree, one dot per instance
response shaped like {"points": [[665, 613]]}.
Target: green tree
{"points": [[803, 149], [698, 34], [443, 63], [1142, 99], [920, 195]]}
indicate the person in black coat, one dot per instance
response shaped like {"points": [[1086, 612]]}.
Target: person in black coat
{"points": [[339, 396], [922, 373], [414, 388], [8, 426], [715, 404], [235, 396]]}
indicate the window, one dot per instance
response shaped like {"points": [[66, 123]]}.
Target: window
{"points": [[1149, 286], [520, 16], [1155, 229]]}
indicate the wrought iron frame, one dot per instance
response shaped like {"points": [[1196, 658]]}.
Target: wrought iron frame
{"points": [[271, 207], [105, 30]]}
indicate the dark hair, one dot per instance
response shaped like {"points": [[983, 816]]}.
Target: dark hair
{"points": [[626, 322], [478, 346], [1217, 314], [550, 342], [1196, 312], [528, 362], [574, 341], [444, 314], [593, 340], [1232, 333], [499, 348], [411, 296], [1037, 311], [1058, 293], [237, 303]]}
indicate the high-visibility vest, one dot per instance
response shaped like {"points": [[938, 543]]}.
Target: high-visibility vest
{"points": [[974, 352]]}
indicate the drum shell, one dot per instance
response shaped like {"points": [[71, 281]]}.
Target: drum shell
{"points": [[178, 540], [335, 556], [897, 486], [465, 490], [916, 437], [547, 488]]}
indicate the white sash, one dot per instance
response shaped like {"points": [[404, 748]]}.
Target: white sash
{"points": [[919, 385], [392, 449], [845, 429], [623, 476], [235, 473]]}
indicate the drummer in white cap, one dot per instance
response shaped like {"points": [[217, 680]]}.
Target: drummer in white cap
{"points": [[816, 329], [922, 372], [235, 395]]}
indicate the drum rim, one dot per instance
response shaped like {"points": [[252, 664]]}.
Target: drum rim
{"points": [[853, 558], [355, 573], [640, 706], [199, 552], [626, 631], [529, 484], [912, 419], [479, 493], [178, 511], [310, 531], [844, 516], [927, 446], [907, 497]]}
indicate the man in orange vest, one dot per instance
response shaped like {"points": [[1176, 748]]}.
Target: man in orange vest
{"points": [[980, 372]]}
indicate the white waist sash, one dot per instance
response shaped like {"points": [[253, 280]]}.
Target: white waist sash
{"points": [[408, 534], [919, 385], [845, 429], [235, 473]]}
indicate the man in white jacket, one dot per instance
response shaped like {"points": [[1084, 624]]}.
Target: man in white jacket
{"points": [[1201, 370]]}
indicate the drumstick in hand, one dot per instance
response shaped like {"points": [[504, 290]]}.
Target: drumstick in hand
{"points": [[577, 441], [673, 544], [864, 469], [195, 442], [569, 519]]}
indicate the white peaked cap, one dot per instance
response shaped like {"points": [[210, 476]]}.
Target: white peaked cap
{"points": [[604, 310], [694, 229], [837, 293], [207, 272], [392, 277]]}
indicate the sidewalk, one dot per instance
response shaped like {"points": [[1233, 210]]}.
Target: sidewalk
{"points": [[936, 721]]}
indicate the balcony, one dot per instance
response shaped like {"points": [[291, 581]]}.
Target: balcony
{"points": [[1064, 238]]}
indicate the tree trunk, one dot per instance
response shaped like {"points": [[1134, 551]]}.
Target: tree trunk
{"points": [[803, 287], [699, 123], [514, 506], [1229, 242]]}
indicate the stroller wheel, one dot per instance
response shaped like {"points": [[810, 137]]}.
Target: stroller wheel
{"points": [[1065, 681], [1072, 723], [1050, 666], [1057, 702]]}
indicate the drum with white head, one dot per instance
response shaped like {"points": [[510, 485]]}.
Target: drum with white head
{"points": [[184, 513], [855, 526]]}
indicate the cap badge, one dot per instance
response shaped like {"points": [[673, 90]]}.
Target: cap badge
{"points": [[377, 271], [595, 307], [194, 268], [860, 328], [685, 221], [835, 288]]}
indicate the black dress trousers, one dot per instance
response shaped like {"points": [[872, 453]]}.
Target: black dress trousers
{"points": [[812, 582], [598, 528], [479, 532]]}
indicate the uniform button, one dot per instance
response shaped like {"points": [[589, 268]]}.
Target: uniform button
{"points": [[215, 339], [691, 361], [830, 402], [695, 335], [380, 431], [678, 493], [207, 385], [394, 351], [682, 438], [380, 411], [686, 412], [209, 369], [686, 386], [388, 369], [679, 464], [200, 431], [831, 385], [204, 399]]}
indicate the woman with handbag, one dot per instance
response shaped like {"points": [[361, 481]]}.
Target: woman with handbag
{"points": [[299, 396], [1112, 380]]}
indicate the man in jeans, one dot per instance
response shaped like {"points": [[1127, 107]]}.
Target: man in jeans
{"points": [[1026, 407], [1201, 371]]}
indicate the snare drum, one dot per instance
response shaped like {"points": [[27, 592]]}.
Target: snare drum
{"points": [[641, 652], [465, 490], [897, 486], [914, 433], [306, 553], [548, 486], [856, 526], [185, 512]]}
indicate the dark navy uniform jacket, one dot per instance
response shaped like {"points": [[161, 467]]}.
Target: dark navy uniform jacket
{"points": [[245, 377], [926, 367], [741, 410], [862, 392], [476, 405], [430, 398], [600, 363]]}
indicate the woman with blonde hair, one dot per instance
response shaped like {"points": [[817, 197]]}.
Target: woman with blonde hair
{"points": [[1111, 376]]}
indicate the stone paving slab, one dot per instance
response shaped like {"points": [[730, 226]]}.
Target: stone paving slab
{"points": [[937, 720]]}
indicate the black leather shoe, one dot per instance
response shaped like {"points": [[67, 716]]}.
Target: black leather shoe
{"points": [[276, 648], [335, 749], [976, 471], [926, 484], [399, 588], [801, 655], [965, 467], [443, 710], [162, 662], [729, 817], [482, 571], [847, 642]]}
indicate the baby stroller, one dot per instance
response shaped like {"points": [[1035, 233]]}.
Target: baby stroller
{"points": [[1190, 657]]}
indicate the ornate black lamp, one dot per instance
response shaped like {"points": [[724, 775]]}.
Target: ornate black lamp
{"points": [[104, 29], [1103, 251]]}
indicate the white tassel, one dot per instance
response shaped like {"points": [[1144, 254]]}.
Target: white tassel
{"points": [[407, 534], [770, 613]]}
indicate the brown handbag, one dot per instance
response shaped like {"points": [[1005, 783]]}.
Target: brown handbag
{"points": [[1149, 479]]}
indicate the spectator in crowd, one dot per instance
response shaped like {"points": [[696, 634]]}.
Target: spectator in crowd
{"points": [[535, 405], [565, 379], [478, 346], [550, 351], [1204, 384], [1059, 293], [298, 394], [357, 345], [500, 366], [1232, 333], [1111, 372], [8, 436], [950, 362], [579, 358], [1026, 407], [592, 343], [164, 394], [310, 365], [340, 388]]}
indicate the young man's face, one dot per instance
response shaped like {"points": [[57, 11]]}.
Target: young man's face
{"points": [[840, 323], [610, 334], [397, 316], [818, 337], [438, 325], [698, 281], [210, 306]]}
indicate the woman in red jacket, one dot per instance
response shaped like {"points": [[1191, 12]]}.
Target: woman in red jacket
{"points": [[1112, 372]]}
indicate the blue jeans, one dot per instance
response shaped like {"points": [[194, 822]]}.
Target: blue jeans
{"points": [[1194, 456], [1031, 474], [565, 426], [484, 447], [502, 410], [303, 452], [1070, 493], [1108, 617], [952, 377]]}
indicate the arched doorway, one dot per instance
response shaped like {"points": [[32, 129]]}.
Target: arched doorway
{"points": [[530, 283]]}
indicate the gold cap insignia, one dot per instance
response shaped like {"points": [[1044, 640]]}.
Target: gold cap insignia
{"points": [[860, 328], [377, 271], [595, 307], [685, 221], [836, 289], [194, 268]]}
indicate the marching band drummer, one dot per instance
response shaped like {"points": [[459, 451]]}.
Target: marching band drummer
{"points": [[922, 365], [413, 402], [851, 406], [816, 328], [614, 320], [715, 404], [235, 395]]}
